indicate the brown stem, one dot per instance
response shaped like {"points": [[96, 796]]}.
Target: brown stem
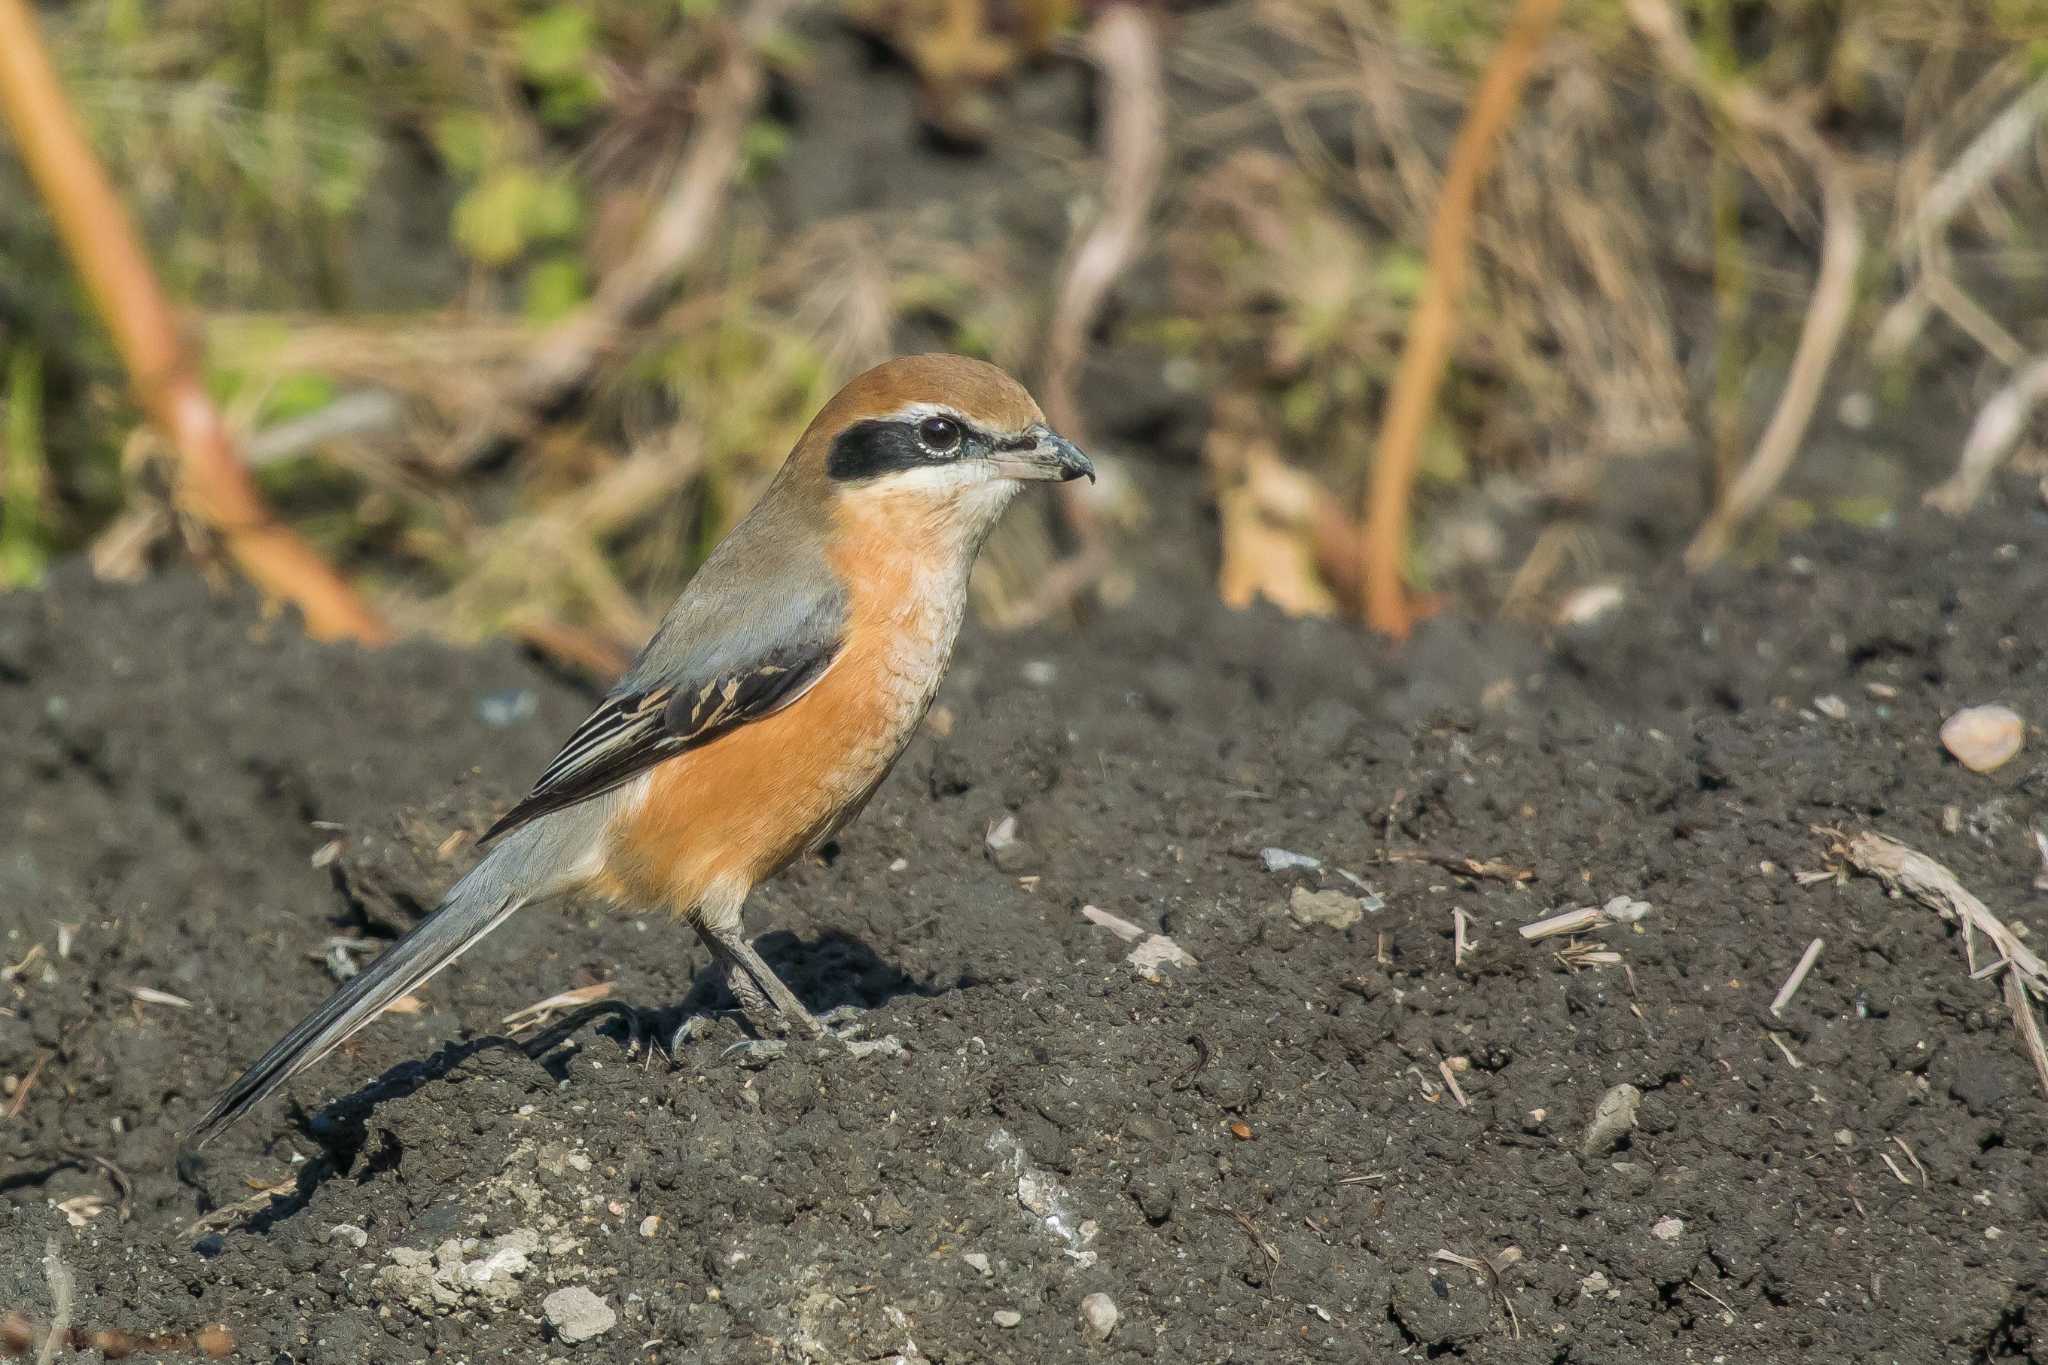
{"points": [[1434, 326], [214, 485]]}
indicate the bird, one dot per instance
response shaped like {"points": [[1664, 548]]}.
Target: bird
{"points": [[774, 697]]}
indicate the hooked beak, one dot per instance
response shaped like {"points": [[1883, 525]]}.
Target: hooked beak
{"points": [[1042, 453]]}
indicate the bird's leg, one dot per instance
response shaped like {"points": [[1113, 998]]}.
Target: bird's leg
{"points": [[763, 997]]}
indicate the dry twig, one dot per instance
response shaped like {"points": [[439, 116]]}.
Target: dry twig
{"points": [[1413, 397], [1914, 874], [214, 486], [1798, 977], [1834, 288], [1999, 425]]}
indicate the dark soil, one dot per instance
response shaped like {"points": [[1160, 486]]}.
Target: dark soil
{"points": [[1254, 1157]]}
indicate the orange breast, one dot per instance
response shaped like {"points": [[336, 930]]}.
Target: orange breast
{"points": [[742, 807]]}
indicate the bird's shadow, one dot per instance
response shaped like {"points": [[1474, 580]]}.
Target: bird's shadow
{"points": [[826, 972]]}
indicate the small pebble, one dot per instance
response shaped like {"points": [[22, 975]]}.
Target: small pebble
{"points": [[1831, 706], [1007, 1317], [1613, 1117], [1668, 1229], [1844, 1138], [347, 1233], [1595, 1283], [1983, 738], [1333, 909], [1098, 1316], [1286, 860], [1625, 910], [502, 710], [576, 1314], [650, 1225], [1589, 604], [978, 1260]]}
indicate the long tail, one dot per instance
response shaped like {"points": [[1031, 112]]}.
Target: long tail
{"points": [[478, 904]]}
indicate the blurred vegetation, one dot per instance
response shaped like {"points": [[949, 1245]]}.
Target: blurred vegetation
{"points": [[363, 197]]}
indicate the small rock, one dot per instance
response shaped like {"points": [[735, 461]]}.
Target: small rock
{"points": [[1331, 908], [650, 1225], [979, 1260], [504, 709], [1098, 1316], [347, 1233], [1983, 737], [576, 1314], [1668, 1229], [1007, 1317], [1832, 706], [1588, 604], [1285, 860], [1001, 834], [1613, 1118], [1844, 1138], [1625, 909], [1594, 1284], [890, 1212]]}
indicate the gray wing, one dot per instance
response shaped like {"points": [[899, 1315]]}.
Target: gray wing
{"points": [[728, 654]]}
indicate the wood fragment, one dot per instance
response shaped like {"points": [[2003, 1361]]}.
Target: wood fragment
{"points": [[1798, 977], [1918, 1169], [228, 1213], [149, 995], [2029, 1026], [1451, 1082], [1462, 865], [1575, 921], [540, 1011], [2000, 424]]}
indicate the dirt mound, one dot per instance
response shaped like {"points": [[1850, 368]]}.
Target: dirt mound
{"points": [[1254, 1155]]}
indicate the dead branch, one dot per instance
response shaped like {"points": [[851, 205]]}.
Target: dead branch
{"points": [[2001, 143], [1912, 873], [214, 485], [1124, 45], [565, 356], [1997, 429], [1420, 375], [1834, 287]]}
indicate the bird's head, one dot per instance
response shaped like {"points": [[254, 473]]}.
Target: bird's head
{"points": [[941, 439]]}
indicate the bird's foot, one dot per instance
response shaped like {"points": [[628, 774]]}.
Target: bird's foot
{"points": [[841, 1028]]}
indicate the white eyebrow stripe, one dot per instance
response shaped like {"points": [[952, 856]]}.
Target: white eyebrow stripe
{"points": [[917, 412]]}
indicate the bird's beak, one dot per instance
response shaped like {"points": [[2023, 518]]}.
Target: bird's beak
{"points": [[1042, 453]]}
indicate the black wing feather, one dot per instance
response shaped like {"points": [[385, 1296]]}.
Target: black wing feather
{"points": [[632, 731]]}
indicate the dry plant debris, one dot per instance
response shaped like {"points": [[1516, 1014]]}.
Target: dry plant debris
{"points": [[1911, 873]]}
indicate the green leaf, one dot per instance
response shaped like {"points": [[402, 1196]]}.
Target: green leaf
{"points": [[554, 287], [555, 44], [555, 210], [466, 141], [492, 221]]}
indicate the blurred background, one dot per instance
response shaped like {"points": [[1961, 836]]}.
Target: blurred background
{"points": [[510, 307]]}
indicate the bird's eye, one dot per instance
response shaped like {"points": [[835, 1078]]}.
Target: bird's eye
{"points": [[941, 435]]}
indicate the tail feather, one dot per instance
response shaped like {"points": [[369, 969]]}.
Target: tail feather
{"points": [[471, 911]]}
